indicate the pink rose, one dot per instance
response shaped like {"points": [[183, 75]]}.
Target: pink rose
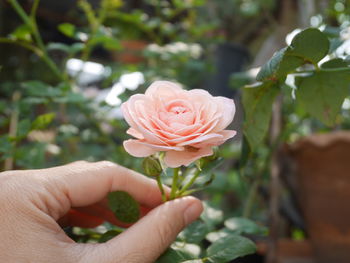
{"points": [[183, 124]]}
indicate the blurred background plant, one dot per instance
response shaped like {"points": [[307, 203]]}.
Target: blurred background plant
{"points": [[66, 66]]}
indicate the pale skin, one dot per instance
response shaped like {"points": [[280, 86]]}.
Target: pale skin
{"points": [[34, 204]]}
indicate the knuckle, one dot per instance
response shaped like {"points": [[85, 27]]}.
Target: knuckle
{"points": [[80, 162], [106, 164]]}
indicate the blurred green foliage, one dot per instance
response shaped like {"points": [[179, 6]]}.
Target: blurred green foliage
{"points": [[48, 118]]}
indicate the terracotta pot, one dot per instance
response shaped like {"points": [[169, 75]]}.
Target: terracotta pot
{"points": [[131, 52], [323, 188]]}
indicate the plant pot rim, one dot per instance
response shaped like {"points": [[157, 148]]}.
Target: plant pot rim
{"points": [[320, 140]]}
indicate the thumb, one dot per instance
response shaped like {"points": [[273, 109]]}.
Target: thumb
{"points": [[146, 240]]}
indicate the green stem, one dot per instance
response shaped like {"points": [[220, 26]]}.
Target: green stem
{"points": [[94, 24], [324, 70], [32, 48], [190, 183], [34, 8], [251, 198], [174, 184], [19, 10], [31, 23], [161, 188]]}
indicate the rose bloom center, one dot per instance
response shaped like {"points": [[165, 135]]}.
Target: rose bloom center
{"points": [[177, 114]]}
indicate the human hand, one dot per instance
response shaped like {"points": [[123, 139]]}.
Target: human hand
{"points": [[32, 201]]}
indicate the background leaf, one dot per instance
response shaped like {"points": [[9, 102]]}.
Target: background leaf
{"points": [[22, 32], [172, 256], [257, 102], [23, 128], [39, 89], [244, 226], [281, 63], [42, 121], [229, 248], [310, 44], [335, 63], [67, 29], [124, 206], [195, 232], [211, 215], [322, 94]]}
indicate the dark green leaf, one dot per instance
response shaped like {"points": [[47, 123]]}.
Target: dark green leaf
{"points": [[39, 89], [245, 153], [216, 235], [257, 102], [67, 29], [3, 105], [58, 46], [279, 65], [322, 94], [69, 49], [335, 63], [71, 97], [208, 167], [109, 235], [23, 128], [244, 226], [124, 206], [229, 248], [35, 100], [172, 256], [310, 44], [30, 156], [108, 42], [5, 144], [195, 232], [288, 64]]}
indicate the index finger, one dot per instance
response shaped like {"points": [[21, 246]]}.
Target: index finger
{"points": [[85, 183]]}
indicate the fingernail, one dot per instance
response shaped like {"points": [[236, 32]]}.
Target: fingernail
{"points": [[193, 212]]}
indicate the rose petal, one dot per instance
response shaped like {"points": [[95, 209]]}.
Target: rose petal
{"points": [[160, 124], [126, 112], [202, 138], [209, 126], [163, 89], [143, 149], [226, 134], [184, 138], [228, 109], [203, 103], [175, 159], [190, 129], [135, 133], [132, 118], [198, 129], [167, 136], [137, 149]]}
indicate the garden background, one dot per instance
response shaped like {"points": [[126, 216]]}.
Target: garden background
{"points": [[66, 67]]}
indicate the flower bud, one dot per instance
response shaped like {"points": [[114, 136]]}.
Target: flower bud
{"points": [[214, 156], [152, 166]]}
